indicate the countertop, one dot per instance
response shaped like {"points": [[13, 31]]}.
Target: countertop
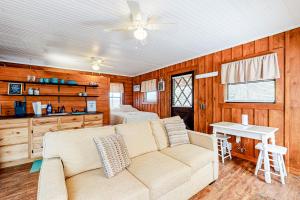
{"points": [[44, 115]]}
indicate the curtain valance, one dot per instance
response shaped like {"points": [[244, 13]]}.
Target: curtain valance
{"points": [[252, 69], [117, 87], [148, 86]]}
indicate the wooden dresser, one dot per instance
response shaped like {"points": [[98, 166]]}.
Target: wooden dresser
{"points": [[21, 139]]}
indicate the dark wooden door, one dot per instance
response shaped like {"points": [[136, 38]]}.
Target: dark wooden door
{"points": [[182, 98]]}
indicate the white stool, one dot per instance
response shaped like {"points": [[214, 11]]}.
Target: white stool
{"points": [[277, 153], [224, 146]]}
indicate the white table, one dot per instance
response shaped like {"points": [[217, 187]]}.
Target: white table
{"points": [[262, 133]]}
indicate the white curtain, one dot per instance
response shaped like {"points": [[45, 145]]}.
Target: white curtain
{"points": [[117, 87], [252, 69], [148, 86]]}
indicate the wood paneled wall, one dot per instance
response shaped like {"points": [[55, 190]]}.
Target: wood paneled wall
{"points": [[19, 72], [211, 92]]}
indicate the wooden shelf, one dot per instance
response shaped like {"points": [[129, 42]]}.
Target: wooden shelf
{"points": [[48, 95], [37, 83]]}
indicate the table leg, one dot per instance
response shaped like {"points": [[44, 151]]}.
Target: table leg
{"points": [[214, 131], [275, 160], [266, 160]]}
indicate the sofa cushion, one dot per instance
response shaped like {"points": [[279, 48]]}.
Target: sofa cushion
{"points": [[113, 154], [94, 185], [177, 132], [160, 173], [160, 134], [194, 156], [76, 148], [138, 138]]}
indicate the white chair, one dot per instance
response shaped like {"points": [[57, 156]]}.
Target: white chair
{"points": [[277, 153], [224, 146]]}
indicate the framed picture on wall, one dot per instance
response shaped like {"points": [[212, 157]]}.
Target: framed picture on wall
{"points": [[15, 88], [136, 88], [161, 85], [91, 106]]}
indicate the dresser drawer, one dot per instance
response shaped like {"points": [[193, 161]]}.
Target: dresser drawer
{"points": [[37, 142], [71, 125], [95, 117], [41, 130], [93, 123], [44, 121], [70, 119], [13, 136], [13, 152], [37, 153], [14, 123]]}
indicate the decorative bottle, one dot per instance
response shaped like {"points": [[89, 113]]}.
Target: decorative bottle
{"points": [[49, 108]]}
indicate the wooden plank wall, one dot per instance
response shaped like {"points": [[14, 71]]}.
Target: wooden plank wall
{"points": [[211, 92], [19, 72], [292, 100]]}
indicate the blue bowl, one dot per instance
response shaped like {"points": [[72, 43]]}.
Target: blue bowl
{"points": [[71, 82], [46, 80], [54, 80]]}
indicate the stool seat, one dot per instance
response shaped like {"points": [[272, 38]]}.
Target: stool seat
{"points": [[222, 136], [272, 148]]}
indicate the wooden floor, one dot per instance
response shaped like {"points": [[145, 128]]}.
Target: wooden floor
{"points": [[236, 182]]}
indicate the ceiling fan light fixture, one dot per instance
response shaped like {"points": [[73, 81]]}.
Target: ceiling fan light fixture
{"points": [[140, 34], [95, 67], [96, 64]]}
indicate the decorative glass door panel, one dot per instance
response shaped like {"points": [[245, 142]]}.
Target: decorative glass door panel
{"points": [[182, 98]]}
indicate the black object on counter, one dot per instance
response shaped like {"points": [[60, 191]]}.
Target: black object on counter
{"points": [[20, 108]]}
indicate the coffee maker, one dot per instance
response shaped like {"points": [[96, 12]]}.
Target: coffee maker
{"points": [[20, 108]]}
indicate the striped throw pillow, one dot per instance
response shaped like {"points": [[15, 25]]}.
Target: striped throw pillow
{"points": [[177, 132], [113, 154]]}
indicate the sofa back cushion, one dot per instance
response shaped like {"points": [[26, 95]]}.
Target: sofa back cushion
{"points": [[138, 137], [76, 148], [160, 134]]}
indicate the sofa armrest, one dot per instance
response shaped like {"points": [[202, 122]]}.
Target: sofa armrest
{"points": [[52, 183], [209, 142], [204, 140]]}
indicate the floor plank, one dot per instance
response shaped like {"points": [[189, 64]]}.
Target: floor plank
{"points": [[236, 182]]}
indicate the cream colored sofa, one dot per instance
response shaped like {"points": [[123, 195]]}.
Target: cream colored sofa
{"points": [[72, 169]]}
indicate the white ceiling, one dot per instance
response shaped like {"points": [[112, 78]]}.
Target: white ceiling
{"points": [[67, 33]]}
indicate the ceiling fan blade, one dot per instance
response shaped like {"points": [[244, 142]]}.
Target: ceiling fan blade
{"points": [[135, 10], [106, 66], [158, 26], [121, 27]]}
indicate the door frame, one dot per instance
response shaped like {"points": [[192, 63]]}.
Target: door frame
{"points": [[193, 91]]}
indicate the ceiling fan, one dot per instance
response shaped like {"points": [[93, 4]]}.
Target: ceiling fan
{"points": [[97, 63], [139, 23]]}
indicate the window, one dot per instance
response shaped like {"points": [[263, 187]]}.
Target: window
{"points": [[258, 91], [151, 97], [115, 99], [182, 91]]}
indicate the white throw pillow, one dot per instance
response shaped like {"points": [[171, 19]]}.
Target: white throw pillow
{"points": [[177, 132], [113, 154]]}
